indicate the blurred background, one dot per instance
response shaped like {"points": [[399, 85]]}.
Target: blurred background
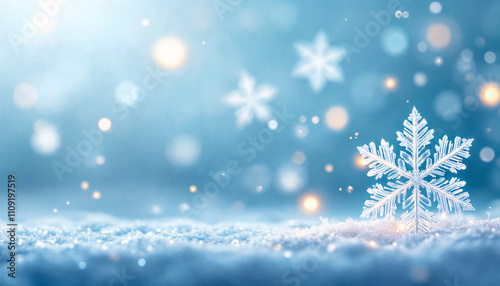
{"points": [[120, 107]]}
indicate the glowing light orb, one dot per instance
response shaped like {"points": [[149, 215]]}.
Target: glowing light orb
{"points": [[490, 94], [420, 79], [438, 61], [183, 150], [291, 178], [337, 118], [96, 195], [100, 160], [310, 203], [390, 83], [104, 124], [435, 7], [394, 41], [359, 162], [169, 53], [272, 124], [438, 35], [328, 168], [145, 22], [301, 131], [298, 157], [25, 96], [141, 262], [315, 120], [45, 138], [490, 57], [84, 185], [487, 154], [192, 189]]}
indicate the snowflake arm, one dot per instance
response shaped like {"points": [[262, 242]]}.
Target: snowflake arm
{"points": [[449, 195], [418, 218], [383, 202], [448, 156], [414, 138], [382, 162]]}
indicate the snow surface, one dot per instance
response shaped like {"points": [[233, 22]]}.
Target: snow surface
{"points": [[456, 251]]}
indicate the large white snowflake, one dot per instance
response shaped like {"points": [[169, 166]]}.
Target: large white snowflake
{"points": [[319, 62], [448, 193], [250, 100]]}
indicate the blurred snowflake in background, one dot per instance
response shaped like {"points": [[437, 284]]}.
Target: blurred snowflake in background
{"points": [[319, 62], [250, 100], [449, 195]]}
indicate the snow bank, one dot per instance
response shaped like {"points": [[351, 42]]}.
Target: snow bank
{"points": [[102, 250]]}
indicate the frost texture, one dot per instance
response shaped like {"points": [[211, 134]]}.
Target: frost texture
{"points": [[319, 62], [185, 252], [250, 100], [448, 194]]}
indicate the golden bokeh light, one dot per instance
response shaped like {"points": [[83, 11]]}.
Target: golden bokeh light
{"points": [[192, 189], [328, 168], [310, 203], [104, 124], [390, 83], [337, 118], [490, 94], [84, 185], [359, 162], [169, 52], [438, 35], [96, 195]]}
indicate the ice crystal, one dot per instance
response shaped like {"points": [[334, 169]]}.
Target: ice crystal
{"points": [[319, 62], [448, 193], [250, 100]]}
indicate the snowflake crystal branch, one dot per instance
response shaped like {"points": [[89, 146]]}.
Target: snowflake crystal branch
{"points": [[448, 194]]}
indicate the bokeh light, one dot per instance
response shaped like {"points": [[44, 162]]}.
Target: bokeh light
{"points": [[359, 162], [328, 168], [96, 195], [291, 178], [490, 94], [490, 57], [337, 118], [169, 52], [45, 138], [420, 79], [310, 203], [394, 41], [447, 104], [438, 35], [192, 188], [100, 160], [104, 124], [298, 157], [84, 185], [487, 154], [435, 7], [25, 96], [390, 83], [183, 150]]}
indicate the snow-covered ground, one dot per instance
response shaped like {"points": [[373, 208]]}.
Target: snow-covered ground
{"points": [[102, 250]]}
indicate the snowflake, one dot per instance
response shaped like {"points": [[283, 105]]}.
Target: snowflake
{"points": [[447, 193], [319, 62], [250, 101]]}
